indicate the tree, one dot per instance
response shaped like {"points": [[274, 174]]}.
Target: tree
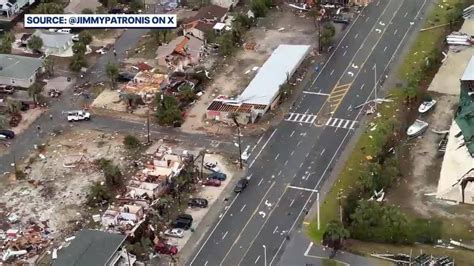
{"points": [[187, 94], [97, 194], [3, 121], [112, 72], [285, 88], [112, 173], [35, 90], [240, 25], [168, 111], [79, 48], [327, 33], [259, 8], [226, 44], [87, 11], [334, 235], [136, 5], [6, 43], [13, 106], [49, 8], [131, 142], [35, 43], [78, 61], [85, 37], [48, 65]]}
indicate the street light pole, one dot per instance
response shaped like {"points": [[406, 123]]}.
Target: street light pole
{"points": [[317, 205], [265, 254], [148, 125], [375, 85]]}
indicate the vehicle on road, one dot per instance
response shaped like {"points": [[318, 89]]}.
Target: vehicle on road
{"points": [[80, 115], [417, 128], [197, 202], [211, 183], [212, 166], [7, 89], [241, 185], [175, 232], [219, 176], [54, 93], [426, 105], [340, 19], [183, 221], [7, 134]]}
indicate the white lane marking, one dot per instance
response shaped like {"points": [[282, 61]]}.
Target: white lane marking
{"points": [[367, 18], [257, 259], [316, 93], [259, 183], [406, 14], [260, 139], [243, 207], [213, 230], [291, 135], [322, 152], [395, 32], [344, 54], [276, 157], [298, 144], [292, 153], [276, 228], [303, 188], [301, 165], [263, 147], [225, 234], [332, 72], [279, 173], [307, 154], [205, 264], [292, 201], [337, 47], [247, 223], [378, 3], [385, 49], [308, 249], [286, 162], [361, 87], [357, 35]]}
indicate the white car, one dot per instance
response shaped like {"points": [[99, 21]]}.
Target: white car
{"points": [[212, 166], [176, 232], [102, 50], [64, 31], [78, 116]]}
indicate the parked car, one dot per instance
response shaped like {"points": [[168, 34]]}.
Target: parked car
{"points": [[78, 116], [7, 89], [426, 105], [54, 93], [219, 176], [175, 232], [212, 166], [125, 77], [417, 128], [8, 134], [340, 19], [183, 221], [241, 185], [197, 202], [64, 31], [211, 183]]}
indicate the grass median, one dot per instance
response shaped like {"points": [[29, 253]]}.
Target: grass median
{"points": [[371, 143]]}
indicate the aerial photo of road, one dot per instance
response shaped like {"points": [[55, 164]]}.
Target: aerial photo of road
{"points": [[254, 228]]}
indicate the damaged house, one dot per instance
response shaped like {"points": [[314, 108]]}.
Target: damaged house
{"points": [[145, 84], [456, 181], [204, 21], [180, 52]]}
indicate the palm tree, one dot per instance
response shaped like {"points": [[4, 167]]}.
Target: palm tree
{"points": [[334, 235], [34, 90], [112, 72]]}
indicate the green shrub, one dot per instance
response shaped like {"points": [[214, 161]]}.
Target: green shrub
{"points": [[131, 142]]}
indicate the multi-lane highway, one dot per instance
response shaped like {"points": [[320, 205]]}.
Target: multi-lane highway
{"points": [[290, 163]]}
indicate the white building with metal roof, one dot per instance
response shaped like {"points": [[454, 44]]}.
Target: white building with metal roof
{"points": [[264, 88]]}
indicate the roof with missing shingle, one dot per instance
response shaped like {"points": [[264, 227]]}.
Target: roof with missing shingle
{"points": [[90, 247], [18, 67]]}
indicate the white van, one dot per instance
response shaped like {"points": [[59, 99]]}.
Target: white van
{"points": [[73, 116]]}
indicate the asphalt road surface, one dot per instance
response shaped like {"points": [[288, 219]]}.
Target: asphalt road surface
{"points": [[290, 163]]}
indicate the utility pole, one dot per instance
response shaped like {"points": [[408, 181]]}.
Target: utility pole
{"points": [[234, 117], [375, 85], [148, 125], [317, 206]]}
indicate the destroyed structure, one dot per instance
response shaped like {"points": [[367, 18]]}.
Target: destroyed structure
{"points": [[263, 92], [456, 181]]}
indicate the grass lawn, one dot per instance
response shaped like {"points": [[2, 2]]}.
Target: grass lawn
{"points": [[356, 163]]}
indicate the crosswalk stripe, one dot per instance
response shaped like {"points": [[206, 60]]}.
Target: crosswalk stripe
{"points": [[335, 121], [347, 123], [301, 118], [341, 123]]}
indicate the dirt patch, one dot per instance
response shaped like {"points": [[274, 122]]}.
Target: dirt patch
{"points": [[54, 193], [234, 74]]}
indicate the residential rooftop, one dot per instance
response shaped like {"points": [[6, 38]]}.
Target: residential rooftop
{"points": [[469, 71], [18, 67]]}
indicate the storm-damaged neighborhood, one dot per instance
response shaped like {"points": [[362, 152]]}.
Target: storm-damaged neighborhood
{"points": [[256, 132]]}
